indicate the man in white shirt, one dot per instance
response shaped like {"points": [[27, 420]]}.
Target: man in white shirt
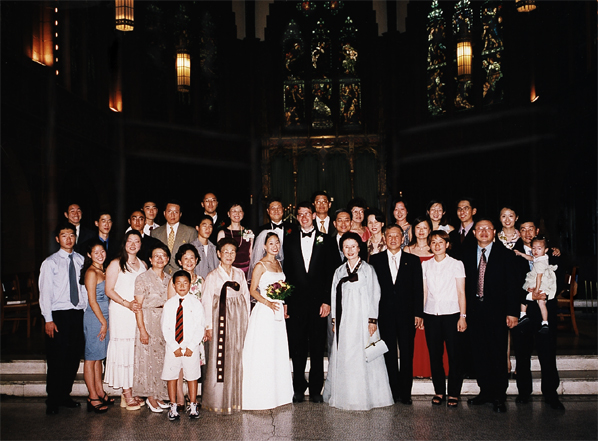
{"points": [[62, 304], [151, 211]]}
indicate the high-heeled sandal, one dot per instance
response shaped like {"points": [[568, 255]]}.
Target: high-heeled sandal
{"points": [[107, 400], [98, 407], [129, 404]]}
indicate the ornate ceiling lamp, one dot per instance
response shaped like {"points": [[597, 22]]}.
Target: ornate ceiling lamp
{"points": [[125, 17], [525, 5]]}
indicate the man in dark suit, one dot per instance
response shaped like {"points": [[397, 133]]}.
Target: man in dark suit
{"points": [[526, 336], [174, 233], [401, 309], [310, 259], [104, 224], [74, 214], [210, 205], [492, 308], [148, 243], [463, 237], [342, 225], [321, 204], [275, 213]]}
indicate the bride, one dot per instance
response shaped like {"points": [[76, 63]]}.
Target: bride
{"points": [[267, 379]]}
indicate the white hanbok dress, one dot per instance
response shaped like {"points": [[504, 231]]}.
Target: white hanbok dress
{"points": [[352, 383], [267, 380]]}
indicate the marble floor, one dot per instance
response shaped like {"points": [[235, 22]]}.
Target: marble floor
{"points": [[25, 419]]}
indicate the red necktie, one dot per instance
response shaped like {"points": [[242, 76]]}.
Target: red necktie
{"points": [[178, 330], [481, 272]]}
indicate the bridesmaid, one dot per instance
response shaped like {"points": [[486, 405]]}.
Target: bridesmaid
{"points": [[151, 294], [223, 383], [242, 236], [95, 326]]}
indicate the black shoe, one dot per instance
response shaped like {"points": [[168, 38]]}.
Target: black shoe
{"points": [[555, 403], [499, 406], [543, 329], [52, 410], [316, 398], [407, 401], [298, 398], [476, 401], [70, 403], [522, 399], [523, 320]]}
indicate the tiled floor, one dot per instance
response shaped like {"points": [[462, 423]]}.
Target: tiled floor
{"points": [[25, 419]]}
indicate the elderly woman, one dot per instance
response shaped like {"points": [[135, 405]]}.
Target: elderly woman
{"points": [[95, 326], [400, 217], [376, 242], [242, 237], [352, 382], [187, 258], [357, 207], [120, 288], [444, 316], [151, 294], [225, 300], [436, 214]]}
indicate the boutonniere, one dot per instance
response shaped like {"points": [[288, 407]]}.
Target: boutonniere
{"points": [[288, 231], [221, 224], [319, 239], [248, 235]]}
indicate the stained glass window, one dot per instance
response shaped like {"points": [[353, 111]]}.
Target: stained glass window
{"points": [[436, 61], [294, 85], [492, 49], [462, 24], [207, 63]]}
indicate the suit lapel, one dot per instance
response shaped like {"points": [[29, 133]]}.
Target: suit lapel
{"points": [[316, 250]]}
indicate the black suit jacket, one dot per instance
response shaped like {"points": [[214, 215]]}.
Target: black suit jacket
{"points": [[312, 288], [458, 247], [501, 293], [111, 251], [221, 222], [85, 234], [403, 300]]}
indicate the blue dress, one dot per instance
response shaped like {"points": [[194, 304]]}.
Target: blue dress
{"points": [[94, 348]]}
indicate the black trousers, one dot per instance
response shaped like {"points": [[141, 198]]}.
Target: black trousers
{"points": [[441, 329], [307, 335], [489, 333], [525, 338], [64, 352], [399, 378]]}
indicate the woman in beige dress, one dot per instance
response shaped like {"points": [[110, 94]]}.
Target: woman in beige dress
{"points": [[225, 300], [151, 294]]}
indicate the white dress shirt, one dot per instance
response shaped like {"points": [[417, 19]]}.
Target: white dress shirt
{"points": [[394, 268], [193, 323], [441, 281], [147, 229], [326, 224], [54, 287], [307, 246]]}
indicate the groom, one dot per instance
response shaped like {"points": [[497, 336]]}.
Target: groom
{"points": [[310, 259]]}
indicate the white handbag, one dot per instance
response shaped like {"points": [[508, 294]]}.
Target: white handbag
{"points": [[375, 349]]}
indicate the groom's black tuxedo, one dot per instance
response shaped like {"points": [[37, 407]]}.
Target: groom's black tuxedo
{"points": [[306, 329]]}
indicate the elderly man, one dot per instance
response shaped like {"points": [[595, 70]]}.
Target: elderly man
{"points": [[492, 307], [210, 205], [174, 233], [401, 309]]}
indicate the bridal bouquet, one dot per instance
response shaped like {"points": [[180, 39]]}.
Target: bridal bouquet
{"points": [[279, 290]]}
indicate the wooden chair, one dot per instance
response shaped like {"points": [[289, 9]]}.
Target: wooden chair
{"points": [[565, 300], [19, 304]]}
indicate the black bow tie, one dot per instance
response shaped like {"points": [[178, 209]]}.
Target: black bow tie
{"points": [[274, 226], [303, 234]]}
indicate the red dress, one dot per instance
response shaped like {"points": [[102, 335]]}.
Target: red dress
{"points": [[421, 357]]}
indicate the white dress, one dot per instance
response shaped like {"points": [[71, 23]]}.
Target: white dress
{"points": [[352, 383], [120, 357], [267, 381]]}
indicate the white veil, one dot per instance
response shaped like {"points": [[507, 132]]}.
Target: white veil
{"points": [[259, 249]]}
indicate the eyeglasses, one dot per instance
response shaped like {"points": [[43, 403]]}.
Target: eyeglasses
{"points": [[463, 208]]}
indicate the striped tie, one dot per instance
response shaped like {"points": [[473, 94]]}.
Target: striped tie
{"points": [[178, 330], [481, 273]]}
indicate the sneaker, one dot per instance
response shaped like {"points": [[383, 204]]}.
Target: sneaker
{"points": [[193, 410], [523, 320], [173, 414], [543, 329]]}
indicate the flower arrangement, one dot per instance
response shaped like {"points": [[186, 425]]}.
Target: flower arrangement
{"points": [[248, 235], [279, 290]]}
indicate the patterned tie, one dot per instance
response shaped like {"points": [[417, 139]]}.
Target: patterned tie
{"points": [[322, 229], [73, 282], [462, 235], [481, 273], [178, 330], [171, 239]]}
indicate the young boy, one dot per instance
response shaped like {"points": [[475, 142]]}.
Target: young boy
{"points": [[541, 278], [183, 325]]}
